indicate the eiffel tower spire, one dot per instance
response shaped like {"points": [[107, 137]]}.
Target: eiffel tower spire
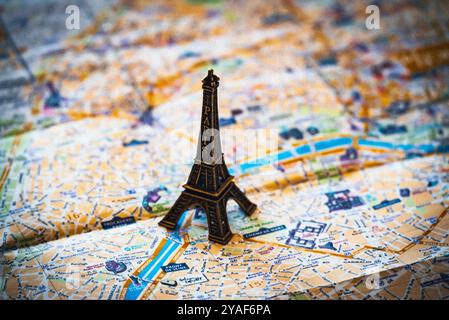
{"points": [[209, 122], [209, 170], [209, 185]]}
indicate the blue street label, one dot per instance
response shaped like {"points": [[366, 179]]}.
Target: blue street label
{"points": [[386, 203], [263, 231], [172, 267], [117, 222]]}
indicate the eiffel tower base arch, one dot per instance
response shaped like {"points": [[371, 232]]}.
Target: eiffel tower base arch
{"points": [[214, 205]]}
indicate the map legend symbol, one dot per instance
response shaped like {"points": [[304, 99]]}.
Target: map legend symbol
{"points": [[209, 185]]}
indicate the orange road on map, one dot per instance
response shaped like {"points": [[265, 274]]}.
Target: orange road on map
{"points": [[363, 248], [8, 166]]}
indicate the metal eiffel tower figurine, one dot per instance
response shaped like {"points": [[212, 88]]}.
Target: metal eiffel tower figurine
{"points": [[209, 185]]}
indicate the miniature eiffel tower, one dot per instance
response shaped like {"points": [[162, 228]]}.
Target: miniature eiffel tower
{"points": [[209, 185]]}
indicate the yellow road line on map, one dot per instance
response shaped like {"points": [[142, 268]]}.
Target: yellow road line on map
{"points": [[8, 166], [297, 248], [363, 248], [5, 174], [434, 243]]}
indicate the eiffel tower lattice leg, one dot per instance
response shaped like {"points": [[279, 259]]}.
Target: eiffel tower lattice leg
{"points": [[217, 220], [183, 203], [242, 200]]}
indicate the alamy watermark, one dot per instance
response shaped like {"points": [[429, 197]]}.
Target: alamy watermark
{"points": [[372, 22], [72, 20], [249, 146], [373, 281]]}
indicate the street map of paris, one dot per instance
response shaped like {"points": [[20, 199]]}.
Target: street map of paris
{"points": [[335, 127]]}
